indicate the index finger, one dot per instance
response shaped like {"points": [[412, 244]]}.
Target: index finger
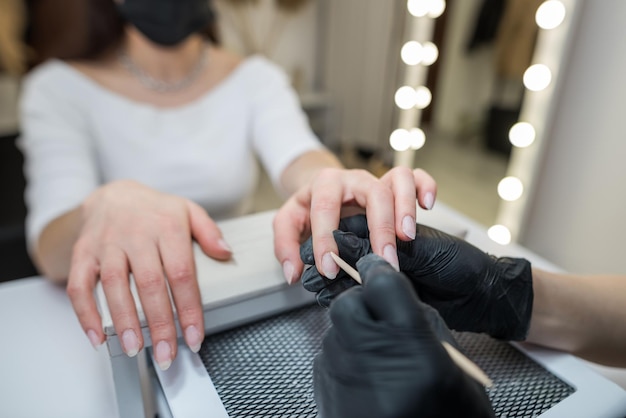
{"points": [[290, 224]]}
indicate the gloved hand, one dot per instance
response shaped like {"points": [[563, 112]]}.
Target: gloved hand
{"points": [[472, 290], [383, 355]]}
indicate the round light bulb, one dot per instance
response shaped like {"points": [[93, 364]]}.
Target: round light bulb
{"points": [[417, 138], [436, 8], [418, 8], [400, 140], [405, 97], [499, 234], [522, 134], [430, 53], [550, 14], [423, 97], [537, 77], [510, 188], [411, 53]]}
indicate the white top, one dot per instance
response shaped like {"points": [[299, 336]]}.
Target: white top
{"points": [[78, 135]]}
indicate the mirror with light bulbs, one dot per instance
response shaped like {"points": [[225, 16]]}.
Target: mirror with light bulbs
{"points": [[456, 87], [497, 74]]}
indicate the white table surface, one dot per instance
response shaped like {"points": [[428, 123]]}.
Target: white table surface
{"points": [[49, 369]]}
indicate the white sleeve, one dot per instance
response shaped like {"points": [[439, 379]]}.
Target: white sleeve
{"points": [[280, 128], [60, 165]]}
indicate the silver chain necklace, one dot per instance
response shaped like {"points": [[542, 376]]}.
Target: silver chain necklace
{"points": [[159, 85]]}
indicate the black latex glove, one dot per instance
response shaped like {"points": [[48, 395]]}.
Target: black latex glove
{"points": [[472, 290], [351, 249], [382, 356]]}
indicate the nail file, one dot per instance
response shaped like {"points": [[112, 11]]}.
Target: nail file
{"points": [[465, 364]]}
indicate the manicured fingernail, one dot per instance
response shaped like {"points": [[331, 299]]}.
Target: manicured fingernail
{"points": [[163, 355], [408, 226], [193, 338], [390, 254], [429, 201], [93, 338], [329, 267], [224, 245], [288, 270], [131, 343]]}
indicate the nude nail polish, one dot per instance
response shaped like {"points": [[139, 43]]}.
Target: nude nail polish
{"points": [[130, 342], [329, 267], [225, 245], [390, 254], [408, 226], [429, 201], [163, 355], [93, 339], [193, 337], [288, 270]]}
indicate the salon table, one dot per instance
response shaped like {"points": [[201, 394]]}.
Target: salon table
{"points": [[49, 369]]}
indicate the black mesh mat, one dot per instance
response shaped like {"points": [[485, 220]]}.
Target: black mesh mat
{"points": [[263, 369]]}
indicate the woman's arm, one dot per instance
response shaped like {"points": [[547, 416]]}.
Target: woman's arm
{"points": [[304, 168], [583, 315], [53, 251]]}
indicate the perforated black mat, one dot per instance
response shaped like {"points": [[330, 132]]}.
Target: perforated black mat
{"points": [[264, 369]]}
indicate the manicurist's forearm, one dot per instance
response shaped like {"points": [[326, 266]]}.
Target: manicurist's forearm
{"points": [[582, 315]]}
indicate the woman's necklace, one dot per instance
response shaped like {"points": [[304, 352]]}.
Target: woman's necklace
{"points": [[159, 85]]}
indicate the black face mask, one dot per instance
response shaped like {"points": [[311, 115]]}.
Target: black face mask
{"points": [[167, 22]]}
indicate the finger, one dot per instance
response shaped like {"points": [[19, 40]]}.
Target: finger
{"points": [[147, 269], [327, 196], [342, 283], [351, 248], [388, 294], [313, 280], [206, 232], [291, 225], [348, 311], [177, 255], [381, 222], [426, 188], [403, 186], [80, 286], [114, 278]]}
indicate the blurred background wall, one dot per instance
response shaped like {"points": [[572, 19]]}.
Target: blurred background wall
{"points": [[343, 59], [577, 215]]}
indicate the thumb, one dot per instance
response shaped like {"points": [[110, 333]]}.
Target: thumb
{"points": [[351, 247], [206, 232], [389, 295]]}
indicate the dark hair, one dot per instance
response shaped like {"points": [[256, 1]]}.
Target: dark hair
{"points": [[81, 29]]}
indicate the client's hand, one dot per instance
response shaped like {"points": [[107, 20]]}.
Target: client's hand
{"points": [[383, 355], [472, 290], [130, 228], [315, 209]]}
